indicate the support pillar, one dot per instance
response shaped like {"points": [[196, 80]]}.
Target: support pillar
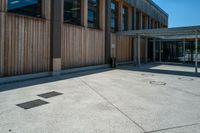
{"points": [[108, 33], [154, 50], [56, 36], [138, 45], [2, 37], [196, 54], [184, 54], [135, 50], [146, 50], [160, 51]]}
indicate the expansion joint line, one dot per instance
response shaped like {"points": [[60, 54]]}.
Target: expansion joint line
{"points": [[170, 128], [92, 88]]}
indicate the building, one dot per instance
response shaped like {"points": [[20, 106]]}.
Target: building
{"points": [[43, 36]]}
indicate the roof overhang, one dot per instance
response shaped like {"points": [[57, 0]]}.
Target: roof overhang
{"points": [[165, 33]]}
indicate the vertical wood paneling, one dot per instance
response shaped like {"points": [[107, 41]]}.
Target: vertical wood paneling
{"points": [[82, 47], [27, 45], [124, 48]]}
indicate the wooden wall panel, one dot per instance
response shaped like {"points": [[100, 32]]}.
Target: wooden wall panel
{"points": [[26, 46], [124, 48], [82, 46]]}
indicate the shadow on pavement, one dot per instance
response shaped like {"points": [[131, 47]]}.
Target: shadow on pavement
{"points": [[31, 82], [148, 68]]}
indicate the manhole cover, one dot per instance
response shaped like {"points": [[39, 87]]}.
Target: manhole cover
{"points": [[157, 83], [32, 104], [147, 75], [186, 79], [50, 94]]}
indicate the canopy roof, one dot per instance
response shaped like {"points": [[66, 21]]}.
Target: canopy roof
{"points": [[165, 33]]}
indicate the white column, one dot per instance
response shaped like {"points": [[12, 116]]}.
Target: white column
{"points": [[184, 54], [138, 45], [196, 54], [146, 50], [160, 51], [154, 50]]}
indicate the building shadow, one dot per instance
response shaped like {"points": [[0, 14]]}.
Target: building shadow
{"points": [[38, 81], [154, 68]]}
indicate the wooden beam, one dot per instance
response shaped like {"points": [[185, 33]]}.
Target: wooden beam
{"points": [[130, 18], [102, 14], [84, 13], [108, 32], [120, 17], [2, 33]]}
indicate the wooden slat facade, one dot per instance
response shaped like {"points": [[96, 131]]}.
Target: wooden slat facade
{"points": [[82, 46], [124, 48], [25, 42], [26, 45]]}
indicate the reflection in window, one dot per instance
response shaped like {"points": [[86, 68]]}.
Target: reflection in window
{"points": [[25, 7], [72, 11], [125, 18], [93, 13], [114, 16]]}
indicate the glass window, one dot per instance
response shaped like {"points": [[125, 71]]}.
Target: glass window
{"points": [[72, 11], [25, 7], [93, 13], [114, 16], [125, 18]]}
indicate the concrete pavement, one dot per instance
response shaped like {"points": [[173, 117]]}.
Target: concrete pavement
{"points": [[112, 101]]}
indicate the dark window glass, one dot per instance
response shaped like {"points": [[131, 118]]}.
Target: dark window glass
{"points": [[25, 7], [93, 13], [72, 11], [114, 16], [125, 18]]}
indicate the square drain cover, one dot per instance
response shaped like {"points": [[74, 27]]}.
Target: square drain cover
{"points": [[32, 104], [50, 94]]}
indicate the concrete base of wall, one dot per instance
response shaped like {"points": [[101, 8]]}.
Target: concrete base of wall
{"points": [[56, 67], [5, 80]]}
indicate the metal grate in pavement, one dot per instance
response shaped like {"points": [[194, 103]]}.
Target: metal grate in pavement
{"points": [[32, 104], [50, 94]]}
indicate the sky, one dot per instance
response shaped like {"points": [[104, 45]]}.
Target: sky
{"points": [[181, 12]]}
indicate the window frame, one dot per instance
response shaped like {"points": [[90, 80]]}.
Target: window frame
{"points": [[97, 22]]}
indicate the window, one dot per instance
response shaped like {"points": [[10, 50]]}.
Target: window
{"points": [[72, 11], [114, 16], [125, 18], [93, 13], [25, 7]]}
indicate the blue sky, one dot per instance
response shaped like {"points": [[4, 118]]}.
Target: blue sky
{"points": [[181, 12]]}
